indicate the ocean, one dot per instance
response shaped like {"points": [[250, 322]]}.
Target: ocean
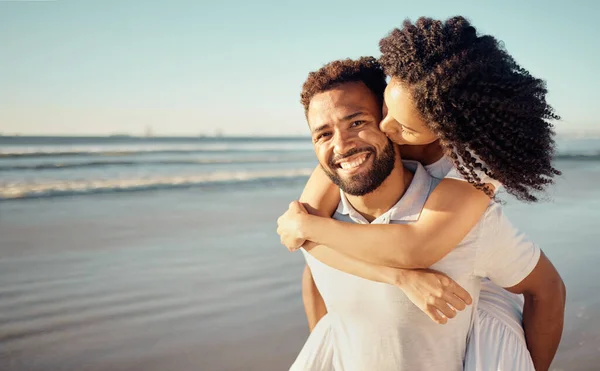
{"points": [[123, 253]]}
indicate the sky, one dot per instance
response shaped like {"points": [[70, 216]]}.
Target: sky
{"points": [[237, 67]]}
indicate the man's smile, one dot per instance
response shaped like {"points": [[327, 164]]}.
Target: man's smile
{"points": [[353, 163]]}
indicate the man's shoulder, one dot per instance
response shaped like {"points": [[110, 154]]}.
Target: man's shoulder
{"points": [[494, 226], [494, 214]]}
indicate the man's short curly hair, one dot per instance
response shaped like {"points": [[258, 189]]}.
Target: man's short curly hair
{"points": [[364, 69], [477, 100]]}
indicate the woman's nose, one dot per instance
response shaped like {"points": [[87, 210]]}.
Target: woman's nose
{"points": [[388, 125]]}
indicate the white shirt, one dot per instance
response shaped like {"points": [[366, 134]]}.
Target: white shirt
{"points": [[374, 326]]}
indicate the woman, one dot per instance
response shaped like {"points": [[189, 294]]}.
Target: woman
{"points": [[463, 107]]}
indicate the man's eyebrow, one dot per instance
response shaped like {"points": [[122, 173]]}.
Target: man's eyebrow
{"points": [[320, 128], [353, 115], [345, 118]]}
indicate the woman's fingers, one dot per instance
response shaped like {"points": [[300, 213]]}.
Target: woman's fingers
{"points": [[454, 300], [443, 307], [434, 293], [291, 243], [460, 292], [451, 290], [451, 302], [436, 315]]}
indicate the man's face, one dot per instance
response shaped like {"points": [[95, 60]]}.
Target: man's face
{"points": [[351, 149]]}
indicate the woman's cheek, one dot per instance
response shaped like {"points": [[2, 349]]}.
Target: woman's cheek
{"points": [[398, 139]]}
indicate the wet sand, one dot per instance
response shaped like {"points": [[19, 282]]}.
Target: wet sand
{"points": [[197, 280]]}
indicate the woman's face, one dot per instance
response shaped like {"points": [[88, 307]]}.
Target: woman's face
{"points": [[402, 122]]}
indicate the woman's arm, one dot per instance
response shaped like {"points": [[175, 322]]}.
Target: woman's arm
{"points": [[320, 196], [450, 212], [436, 294], [429, 290]]}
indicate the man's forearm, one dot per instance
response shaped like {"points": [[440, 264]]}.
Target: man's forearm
{"points": [[314, 306], [543, 325]]}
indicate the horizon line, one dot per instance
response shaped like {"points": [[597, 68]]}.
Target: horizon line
{"points": [[190, 136]]}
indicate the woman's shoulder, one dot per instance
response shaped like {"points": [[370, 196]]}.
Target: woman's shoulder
{"points": [[444, 168]]}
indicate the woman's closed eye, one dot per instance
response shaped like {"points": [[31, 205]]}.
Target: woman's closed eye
{"points": [[406, 131]]}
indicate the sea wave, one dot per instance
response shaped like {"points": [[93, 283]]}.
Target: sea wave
{"points": [[31, 153], [212, 161], [131, 150], [191, 162], [17, 190], [578, 157]]}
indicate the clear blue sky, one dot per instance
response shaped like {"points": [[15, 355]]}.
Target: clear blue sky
{"points": [[191, 67]]}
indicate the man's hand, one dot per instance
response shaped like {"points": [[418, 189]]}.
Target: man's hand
{"points": [[289, 226], [433, 292]]}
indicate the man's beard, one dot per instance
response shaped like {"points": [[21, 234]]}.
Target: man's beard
{"points": [[367, 181]]}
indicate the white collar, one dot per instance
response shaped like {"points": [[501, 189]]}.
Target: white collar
{"points": [[408, 208]]}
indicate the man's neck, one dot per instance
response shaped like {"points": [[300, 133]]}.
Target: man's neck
{"points": [[378, 202]]}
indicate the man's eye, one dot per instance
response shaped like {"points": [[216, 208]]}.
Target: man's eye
{"points": [[357, 123], [322, 135]]}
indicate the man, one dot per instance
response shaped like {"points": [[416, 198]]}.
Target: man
{"points": [[373, 326]]}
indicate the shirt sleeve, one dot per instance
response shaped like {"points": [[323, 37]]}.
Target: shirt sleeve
{"points": [[505, 255]]}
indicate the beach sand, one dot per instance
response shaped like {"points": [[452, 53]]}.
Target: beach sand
{"points": [[195, 279]]}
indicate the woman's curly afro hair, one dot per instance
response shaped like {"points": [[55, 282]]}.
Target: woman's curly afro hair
{"points": [[477, 100]]}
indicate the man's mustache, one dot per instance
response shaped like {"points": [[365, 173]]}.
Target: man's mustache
{"points": [[352, 152]]}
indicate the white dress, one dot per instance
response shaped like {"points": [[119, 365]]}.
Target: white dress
{"points": [[497, 340]]}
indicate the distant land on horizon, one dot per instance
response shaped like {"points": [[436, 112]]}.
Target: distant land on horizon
{"points": [[144, 137], [574, 134]]}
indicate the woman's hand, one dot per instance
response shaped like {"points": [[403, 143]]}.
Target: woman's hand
{"points": [[289, 226], [433, 292]]}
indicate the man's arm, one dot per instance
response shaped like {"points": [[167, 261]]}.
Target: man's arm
{"points": [[543, 314], [510, 259], [314, 306]]}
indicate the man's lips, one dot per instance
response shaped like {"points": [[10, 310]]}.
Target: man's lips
{"points": [[353, 161]]}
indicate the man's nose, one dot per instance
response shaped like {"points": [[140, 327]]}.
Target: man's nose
{"points": [[343, 142], [388, 125]]}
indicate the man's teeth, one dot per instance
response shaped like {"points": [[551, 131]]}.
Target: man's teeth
{"points": [[354, 163]]}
